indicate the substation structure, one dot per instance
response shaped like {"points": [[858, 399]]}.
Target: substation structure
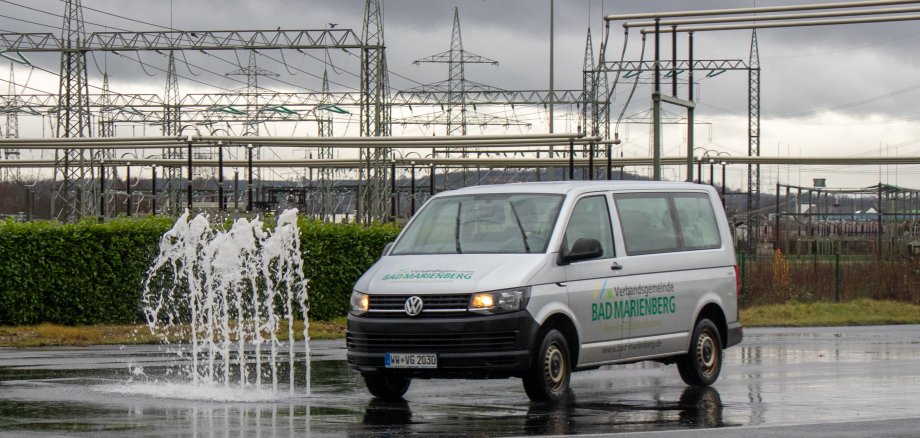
{"points": [[881, 220], [876, 220], [218, 184], [79, 114]]}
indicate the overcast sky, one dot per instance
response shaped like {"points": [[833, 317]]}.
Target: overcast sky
{"points": [[845, 90]]}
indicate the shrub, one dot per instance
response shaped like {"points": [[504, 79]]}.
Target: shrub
{"points": [[91, 273], [335, 255], [82, 273]]}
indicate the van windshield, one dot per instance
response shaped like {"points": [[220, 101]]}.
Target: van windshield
{"points": [[500, 223]]}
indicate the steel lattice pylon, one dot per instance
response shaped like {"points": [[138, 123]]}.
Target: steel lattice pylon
{"points": [[456, 59], [172, 125], [106, 129], [594, 109], [326, 174], [74, 192], [11, 131], [588, 106], [753, 145], [375, 116], [602, 95], [253, 102]]}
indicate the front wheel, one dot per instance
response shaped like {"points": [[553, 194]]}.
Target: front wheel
{"points": [[386, 386], [703, 362], [548, 378]]}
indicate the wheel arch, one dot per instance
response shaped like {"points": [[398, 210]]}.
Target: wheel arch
{"points": [[713, 312], [566, 326]]}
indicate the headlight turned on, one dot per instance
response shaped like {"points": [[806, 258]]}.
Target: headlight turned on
{"points": [[499, 301], [359, 303]]}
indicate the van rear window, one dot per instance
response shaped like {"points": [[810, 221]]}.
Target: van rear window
{"points": [[663, 222]]}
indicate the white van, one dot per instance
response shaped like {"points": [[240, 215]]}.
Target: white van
{"points": [[537, 280]]}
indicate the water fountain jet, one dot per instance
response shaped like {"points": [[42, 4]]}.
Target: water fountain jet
{"points": [[227, 292]]}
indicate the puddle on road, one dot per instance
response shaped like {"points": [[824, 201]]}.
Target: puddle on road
{"points": [[99, 403], [770, 379]]}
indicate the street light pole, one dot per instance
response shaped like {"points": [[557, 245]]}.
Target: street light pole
{"points": [[412, 191], [712, 180], [249, 201], [220, 176], [128, 186], [153, 191], [101, 190], [393, 190], [190, 173], [699, 170]]}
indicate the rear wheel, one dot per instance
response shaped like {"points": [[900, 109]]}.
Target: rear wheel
{"points": [[386, 386], [548, 378], [703, 362]]}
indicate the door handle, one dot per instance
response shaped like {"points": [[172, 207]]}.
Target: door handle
{"points": [[615, 266]]}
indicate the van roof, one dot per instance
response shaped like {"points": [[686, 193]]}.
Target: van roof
{"points": [[576, 187]]}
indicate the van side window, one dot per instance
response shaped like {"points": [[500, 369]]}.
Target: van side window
{"points": [[646, 223], [591, 219], [697, 221]]}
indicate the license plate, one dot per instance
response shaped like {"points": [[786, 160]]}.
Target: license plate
{"points": [[411, 360]]}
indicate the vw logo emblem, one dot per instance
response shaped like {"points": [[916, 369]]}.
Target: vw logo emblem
{"points": [[413, 306]]}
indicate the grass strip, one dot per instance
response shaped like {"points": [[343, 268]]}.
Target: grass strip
{"points": [[46, 335], [857, 312], [793, 314]]}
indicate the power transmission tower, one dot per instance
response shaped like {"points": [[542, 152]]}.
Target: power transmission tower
{"points": [[72, 103], [73, 194], [252, 73], [326, 174], [594, 107], [456, 59], [172, 125], [754, 145], [106, 129], [375, 115], [603, 95], [253, 109], [11, 131], [588, 106]]}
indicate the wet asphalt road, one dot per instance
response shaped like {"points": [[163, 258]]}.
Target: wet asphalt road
{"points": [[834, 382]]}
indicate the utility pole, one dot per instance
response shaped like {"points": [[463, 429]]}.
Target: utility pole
{"points": [[253, 103], [456, 59], [73, 194], [172, 125], [11, 131], [375, 116], [753, 144], [106, 129], [326, 174]]}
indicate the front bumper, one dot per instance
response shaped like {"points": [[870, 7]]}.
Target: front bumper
{"points": [[491, 346]]}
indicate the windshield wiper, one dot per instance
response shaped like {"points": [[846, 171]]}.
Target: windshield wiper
{"points": [[457, 228], [520, 227]]}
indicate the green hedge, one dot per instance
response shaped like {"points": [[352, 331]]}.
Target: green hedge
{"points": [[91, 273], [335, 255], [81, 273]]}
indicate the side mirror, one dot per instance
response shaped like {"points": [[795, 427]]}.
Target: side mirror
{"points": [[386, 249], [583, 249]]}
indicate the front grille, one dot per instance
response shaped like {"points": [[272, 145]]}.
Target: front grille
{"points": [[422, 343], [434, 305]]}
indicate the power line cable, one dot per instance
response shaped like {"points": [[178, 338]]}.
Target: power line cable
{"points": [[850, 104]]}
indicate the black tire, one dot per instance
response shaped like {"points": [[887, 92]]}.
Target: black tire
{"points": [[703, 362], [551, 369], [386, 386]]}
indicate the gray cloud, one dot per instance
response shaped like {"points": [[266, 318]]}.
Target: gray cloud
{"points": [[803, 69]]}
